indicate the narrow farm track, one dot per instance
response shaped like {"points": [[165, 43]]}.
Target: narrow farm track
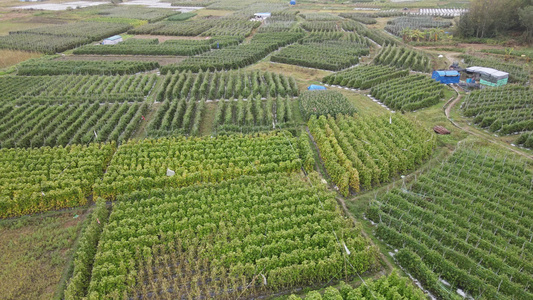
{"points": [[447, 109]]}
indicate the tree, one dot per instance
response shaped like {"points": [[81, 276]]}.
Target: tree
{"points": [[526, 19]]}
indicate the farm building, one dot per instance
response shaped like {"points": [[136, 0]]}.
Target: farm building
{"points": [[314, 87], [112, 40], [446, 77], [262, 16], [488, 76]]}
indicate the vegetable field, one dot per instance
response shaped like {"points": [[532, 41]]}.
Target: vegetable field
{"points": [[226, 85], [364, 77], [403, 57], [240, 238], [468, 222], [153, 47], [420, 23], [54, 67], [34, 125], [323, 103], [137, 12], [81, 88], [392, 286], [409, 93], [505, 110], [36, 180], [237, 56], [143, 164], [254, 115], [359, 152]]}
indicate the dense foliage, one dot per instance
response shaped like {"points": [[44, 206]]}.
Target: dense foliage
{"points": [[86, 251], [228, 26], [88, 67], [518, 73], [467, 222], [153, 47], [181, 17], [420, 23], [392, 286], [58, 38], [361, 151], [244, 237], [177, 117], [325, 50], [143, 164], [323, 103], [35, 125], [526, 139], [226, 85], [137, 12], [35, 180], [359, 17], [237, 56], [364, 77], [506, 110], [79, 88], [403, 57], [409, 93], [254, 115]]}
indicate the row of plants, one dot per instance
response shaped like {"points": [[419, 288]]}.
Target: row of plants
{"points": [[41, 179], [505, 110], [84, 67], [277, 23], [518, 73], [330, 55], [409, 93], [364, 77], [177, 117], [182, 16], [138, 12], [403, 57], [12, 87], [35, 125], [359, 17], [85, 252], [237, 56], [359, 152], [226, 85], [254, 114], [153, 47], [421, 23], [206, 27], [454, 225], [58, 38], [80, 88], [342, 25], [246, 237], [392, 286], [319, 17], [324, 103], [143, 164], [526, 139]]}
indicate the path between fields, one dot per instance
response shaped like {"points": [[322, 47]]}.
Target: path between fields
{"points": [[447, 109]]}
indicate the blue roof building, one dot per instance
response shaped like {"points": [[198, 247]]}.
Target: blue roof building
{"points": [[314, 87], [446, 77]]}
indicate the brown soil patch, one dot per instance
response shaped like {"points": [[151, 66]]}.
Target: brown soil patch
{"points": [[163, 38], [13, 15], [162, 60]]}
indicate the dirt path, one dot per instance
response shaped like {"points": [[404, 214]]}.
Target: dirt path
{"points": [[447, 109]]}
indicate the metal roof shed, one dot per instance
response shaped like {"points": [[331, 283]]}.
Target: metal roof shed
{"points": [[446, 77], [490, 76]]}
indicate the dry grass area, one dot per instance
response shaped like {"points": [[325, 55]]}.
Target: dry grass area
{"points": [[304, 76], [35, 251], [9, 58]]}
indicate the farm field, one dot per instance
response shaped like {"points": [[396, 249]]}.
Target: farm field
{"points": [[223, 149]]}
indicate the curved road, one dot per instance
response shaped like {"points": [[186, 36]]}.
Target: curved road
{"points": [[448, 107]]}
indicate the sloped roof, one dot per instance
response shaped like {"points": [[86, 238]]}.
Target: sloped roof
{"points": [[115, 37], [488, 71], [316, 87], [448, 73]]}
